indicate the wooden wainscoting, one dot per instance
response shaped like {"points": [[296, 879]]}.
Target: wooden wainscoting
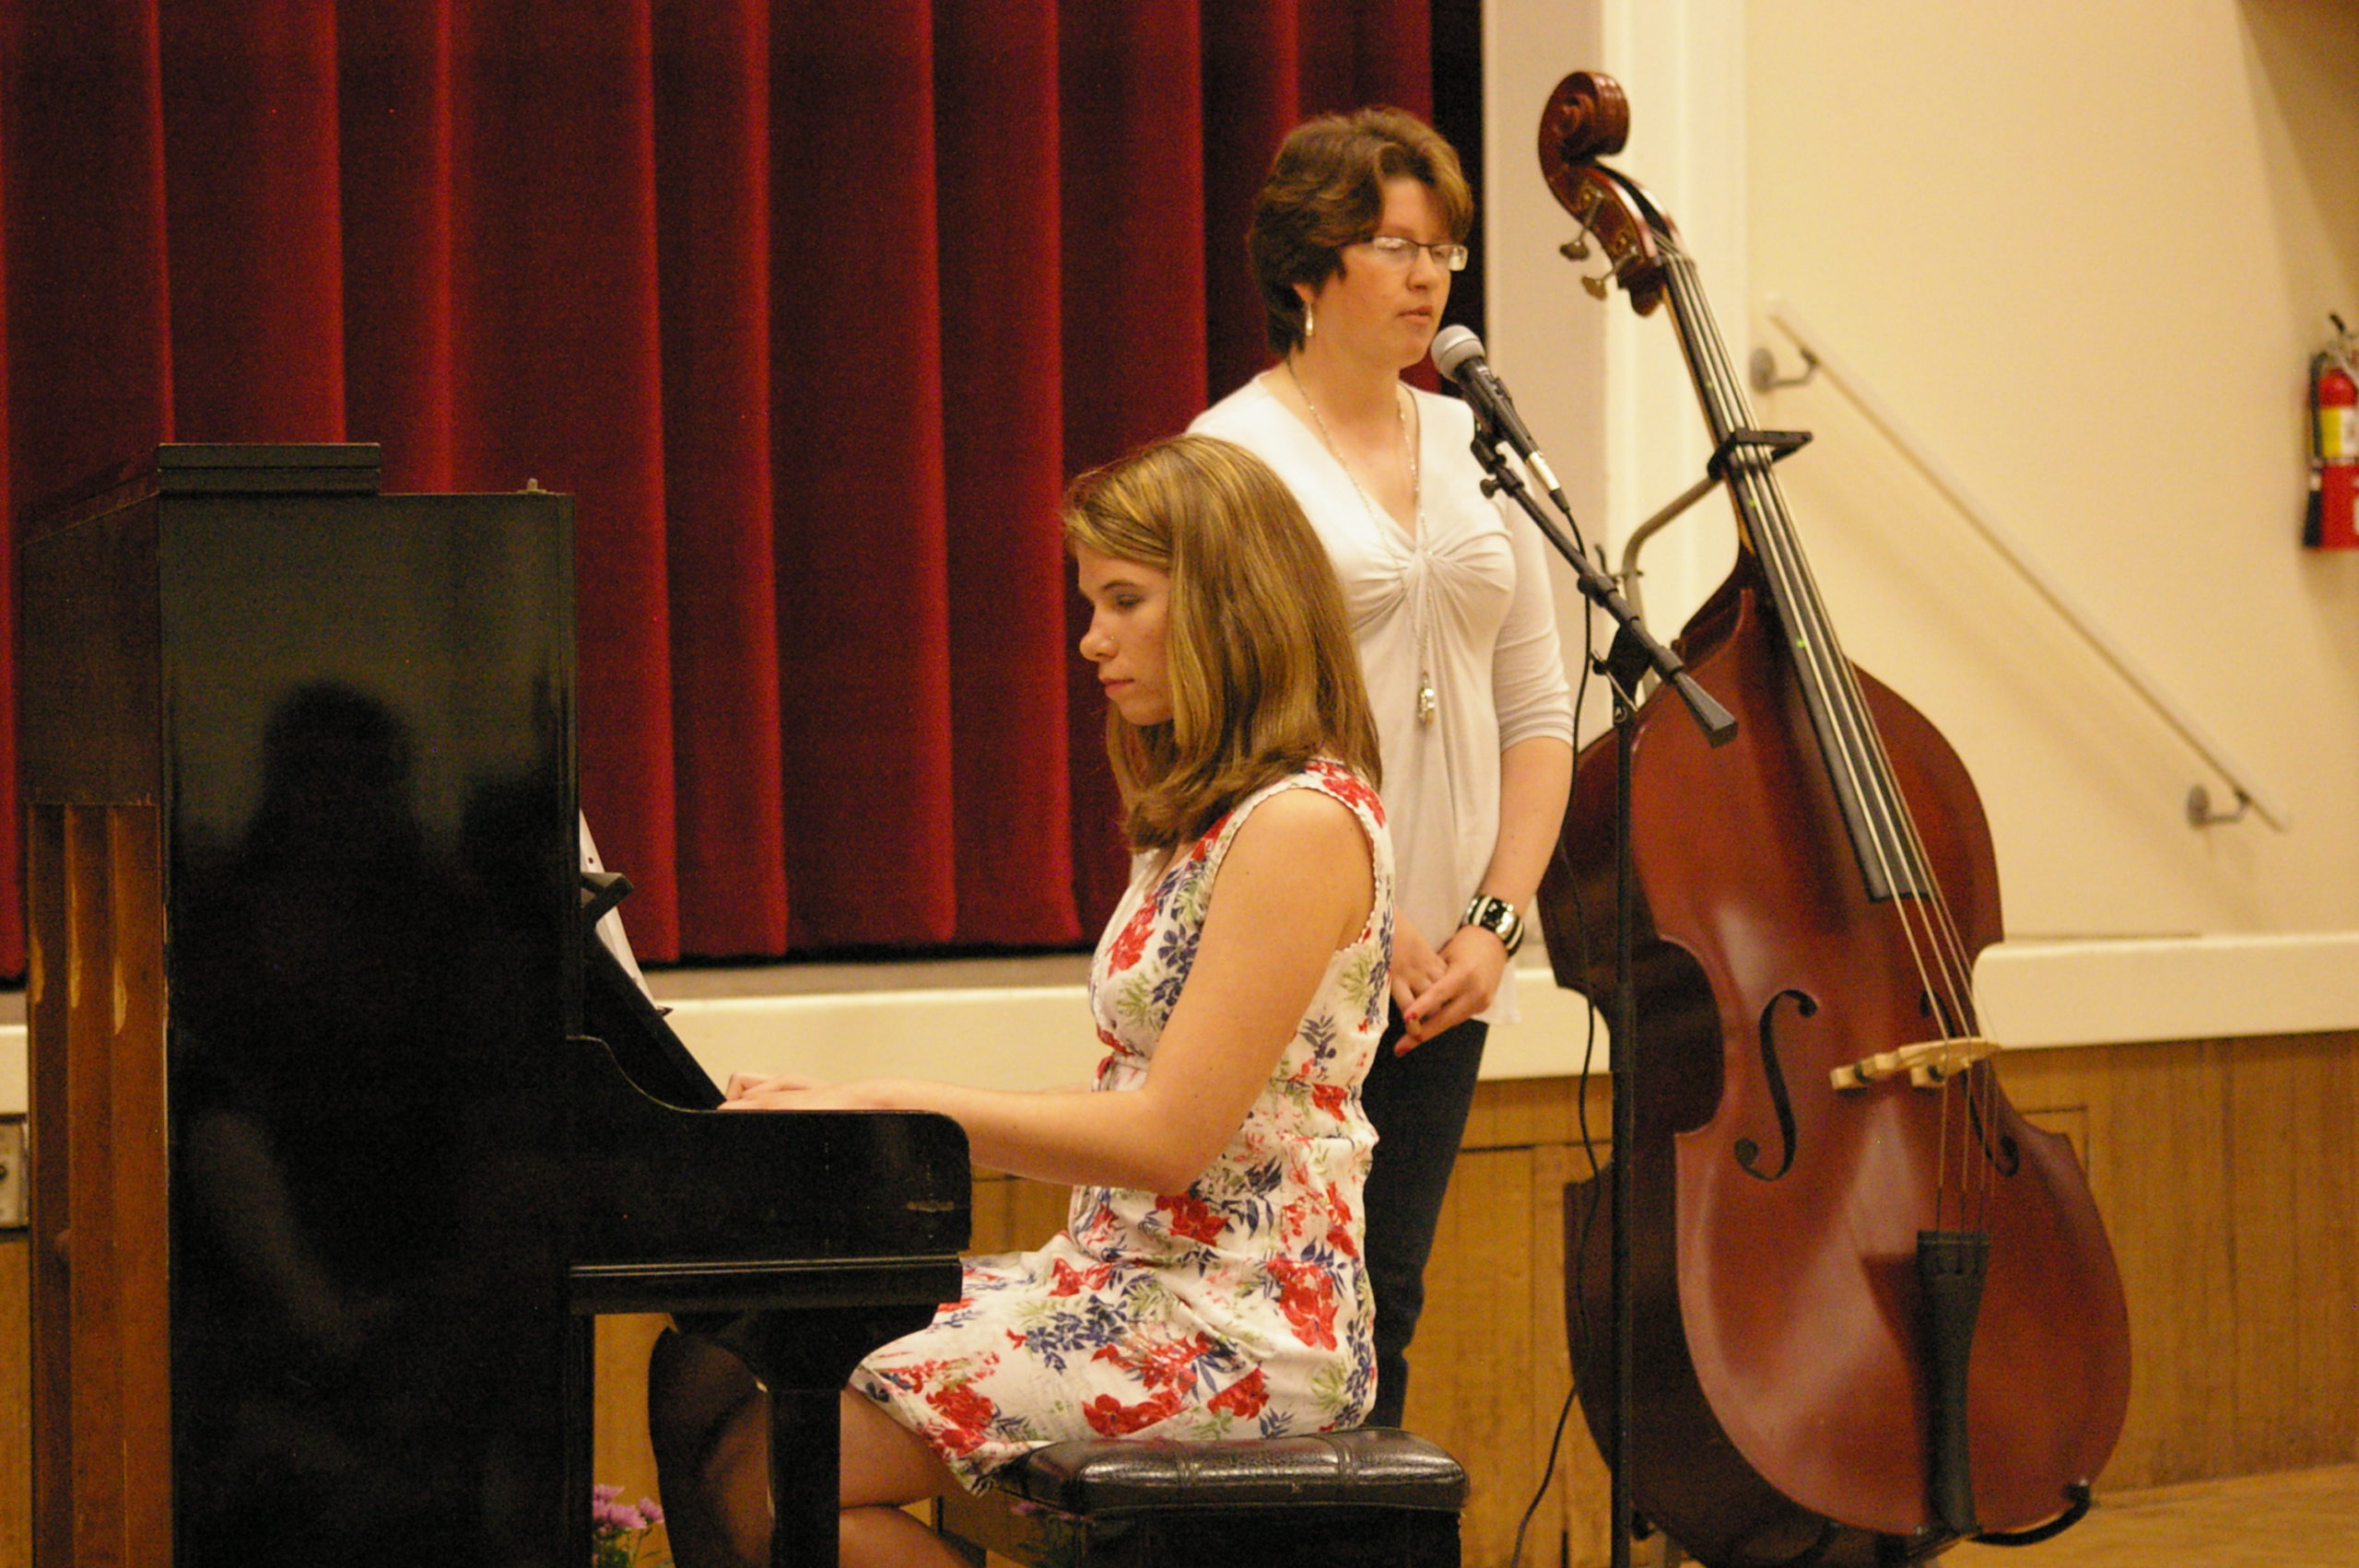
{"points": [[1489, 1371], [2226, 1171]]}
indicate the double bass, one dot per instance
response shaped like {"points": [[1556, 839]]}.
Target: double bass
{"points": [[1875, 1309]]}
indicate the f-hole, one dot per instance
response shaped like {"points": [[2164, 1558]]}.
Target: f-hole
{"points": [[1748, 1152], [1931, 1006], [2006, 1158]]}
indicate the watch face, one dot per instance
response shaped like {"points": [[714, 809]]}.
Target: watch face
{"points": [[1497, 917]]}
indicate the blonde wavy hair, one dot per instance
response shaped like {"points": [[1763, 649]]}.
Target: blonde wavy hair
{"points": [[1258, 648]]}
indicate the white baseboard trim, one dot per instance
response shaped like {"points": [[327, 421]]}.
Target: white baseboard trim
{"points": [[2034, 994], [2130, 990]]}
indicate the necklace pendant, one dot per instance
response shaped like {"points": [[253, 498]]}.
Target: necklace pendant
{"points": [[1427, 702]]}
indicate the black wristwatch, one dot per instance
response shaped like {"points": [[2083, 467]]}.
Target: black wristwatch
{"points": [[1497, 917]]}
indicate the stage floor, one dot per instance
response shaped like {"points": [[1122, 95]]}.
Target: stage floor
{"points": [[2301, 1519]]}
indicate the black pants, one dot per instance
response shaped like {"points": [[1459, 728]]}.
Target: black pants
{"points": [[1418, 1103]]}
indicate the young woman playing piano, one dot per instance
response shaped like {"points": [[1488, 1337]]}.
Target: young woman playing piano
{"points": [[1209, 1282]]}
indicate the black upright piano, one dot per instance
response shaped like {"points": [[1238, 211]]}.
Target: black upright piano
{"points": [[345, 1126]]}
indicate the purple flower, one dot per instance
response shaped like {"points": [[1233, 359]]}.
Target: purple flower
{"points": [[608, 1514], [618, 1531]]}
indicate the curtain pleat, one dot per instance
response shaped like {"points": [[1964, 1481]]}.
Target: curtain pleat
{"points": [[395, 151], [249, 97], [998, 126], [1252, 94], [88, 306], [712, 153], [812, 306], [863, 633]]}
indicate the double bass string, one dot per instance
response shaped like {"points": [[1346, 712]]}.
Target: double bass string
{"points": [[1889, 839]]}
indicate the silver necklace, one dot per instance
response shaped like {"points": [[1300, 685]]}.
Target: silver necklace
{"points": [[1428, 703]]}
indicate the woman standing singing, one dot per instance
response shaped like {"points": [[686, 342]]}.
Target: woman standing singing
{"points": [[1357, 230]]}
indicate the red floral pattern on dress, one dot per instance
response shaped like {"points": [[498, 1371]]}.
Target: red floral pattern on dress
{"points": [[1306, 1296], [1132, 944], [1342, 1228], [1168, 1363], [959, 1416], [1109, 1417], [1347, 787], [1071, 1281], [1238, 1307], [1192, 1217], [966, 1415], [1244, 1397]]}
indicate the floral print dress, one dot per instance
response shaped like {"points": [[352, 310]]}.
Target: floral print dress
{"points": [[1237, 1308]]}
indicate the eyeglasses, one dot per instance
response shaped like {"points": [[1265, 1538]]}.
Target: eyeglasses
{"points": [[1398, 251]]}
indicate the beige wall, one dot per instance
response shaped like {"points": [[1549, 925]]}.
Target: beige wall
{"points": [[2083, 253], [2088, 249]]}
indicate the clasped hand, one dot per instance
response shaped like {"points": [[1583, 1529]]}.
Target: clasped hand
{"points": [[1435, 991]]}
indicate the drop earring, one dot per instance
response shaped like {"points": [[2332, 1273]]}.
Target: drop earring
{"points": [[1309, 321]]}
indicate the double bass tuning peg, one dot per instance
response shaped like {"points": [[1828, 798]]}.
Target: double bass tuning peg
{"points": [[1577, 250]]}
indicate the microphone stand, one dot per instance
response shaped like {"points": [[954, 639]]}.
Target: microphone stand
{"points": [[1633, 653]]}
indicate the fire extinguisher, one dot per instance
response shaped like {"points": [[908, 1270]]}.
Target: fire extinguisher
{"points": [[2333, 522]]}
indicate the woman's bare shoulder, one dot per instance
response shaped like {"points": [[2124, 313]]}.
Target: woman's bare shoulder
{"points": [[1303, 820]]}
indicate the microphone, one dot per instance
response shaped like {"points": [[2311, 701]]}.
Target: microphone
{"points": [[1458, 354]]}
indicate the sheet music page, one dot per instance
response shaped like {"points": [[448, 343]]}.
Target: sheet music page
{"points": [[610, 924]]}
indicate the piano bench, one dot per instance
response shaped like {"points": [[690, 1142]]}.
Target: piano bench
{"points": [[1372, 1496]]}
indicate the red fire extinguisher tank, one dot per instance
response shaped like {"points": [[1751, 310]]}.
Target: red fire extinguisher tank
{"points": [[2333, 522]]}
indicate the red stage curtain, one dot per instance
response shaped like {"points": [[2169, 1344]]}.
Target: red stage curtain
{"points": [[812, 305]]}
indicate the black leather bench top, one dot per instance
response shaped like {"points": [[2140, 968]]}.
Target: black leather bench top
{"points": [[1372, 1468]]}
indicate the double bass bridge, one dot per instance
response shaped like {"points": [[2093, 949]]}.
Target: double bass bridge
{"points": [[1929, 1063]]}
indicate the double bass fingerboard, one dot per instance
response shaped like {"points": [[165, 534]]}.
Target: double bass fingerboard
{"points": [[1884, 836]]}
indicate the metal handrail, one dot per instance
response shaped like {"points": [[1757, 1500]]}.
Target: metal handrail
{"points": [[1819, 357]]}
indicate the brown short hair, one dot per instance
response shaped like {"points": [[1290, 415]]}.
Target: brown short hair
{"points": [[1326, 190], [1264, 671]]}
